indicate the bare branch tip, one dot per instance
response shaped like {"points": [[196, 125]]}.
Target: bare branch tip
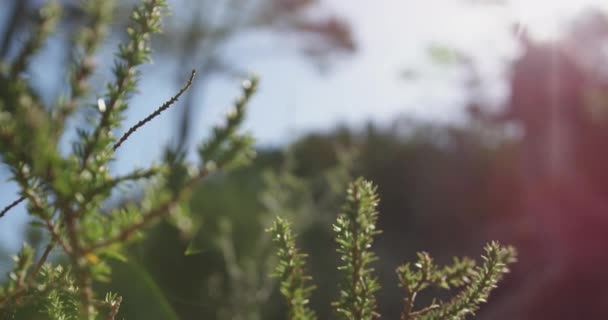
{"points": [[10, 206], [156, 113]]}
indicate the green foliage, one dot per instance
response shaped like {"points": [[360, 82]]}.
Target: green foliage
{"points": [[290, 269], [65, 194], [355, 230], [227, 148], [483, 279]]}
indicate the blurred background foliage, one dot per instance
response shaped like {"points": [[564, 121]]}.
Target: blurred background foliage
{"points": [[532, 173], [430, 200]]}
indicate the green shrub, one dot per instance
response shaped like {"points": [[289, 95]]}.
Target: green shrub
{"points": [[355, 229], [65, 192]]}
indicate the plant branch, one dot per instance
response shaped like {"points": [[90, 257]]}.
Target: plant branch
{"points": [[145, 21], [114, 307], [156, 113], [12, 205], [149, 217], [43, 258], [136, 175], [23, 286], [56, 236]]}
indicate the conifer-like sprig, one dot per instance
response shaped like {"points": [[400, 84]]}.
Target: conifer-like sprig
{"points": [[58, 292], [113, 302], [227, 148], [355, 229], [237, 149], [424, 274], [483, 281], [18, 278], [65, 195], [290, 270], [145, 21]]}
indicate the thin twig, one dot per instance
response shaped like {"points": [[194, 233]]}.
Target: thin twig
{"points": [[53, 229], [10, 206], [154, 114], [42, 260], [424, 311]]}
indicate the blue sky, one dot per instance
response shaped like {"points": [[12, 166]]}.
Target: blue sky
{"points": [[392, 36]]}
